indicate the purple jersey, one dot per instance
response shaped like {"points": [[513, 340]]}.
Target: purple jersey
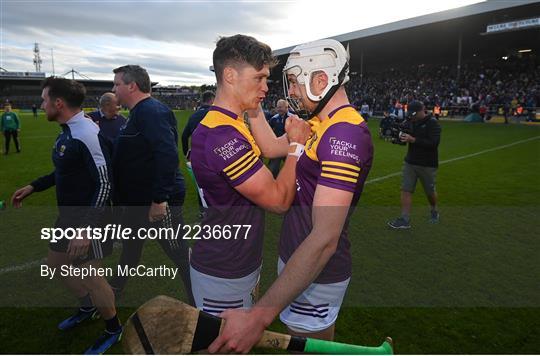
{"points": [[338, 155], [223, 155]]}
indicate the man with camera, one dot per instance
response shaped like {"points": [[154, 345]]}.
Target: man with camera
{"points": [[421, 162]]}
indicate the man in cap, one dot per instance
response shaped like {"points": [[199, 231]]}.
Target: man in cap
{"points": [[421, 163]]}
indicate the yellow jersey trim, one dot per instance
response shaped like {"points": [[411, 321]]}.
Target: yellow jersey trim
{"points": [[246, 162], [249, 165], [333, 176], [342, 171], [237, 162], [318, 128], [341, 164], [215, 119]]}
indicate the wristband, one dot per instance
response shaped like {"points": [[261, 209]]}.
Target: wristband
{"points": [[298, 151]]}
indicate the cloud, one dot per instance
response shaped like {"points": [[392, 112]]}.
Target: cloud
{"points": [[193, 22], [171, 39]]}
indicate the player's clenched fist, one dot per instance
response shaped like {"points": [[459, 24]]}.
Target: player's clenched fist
{"points": [[297, 129]]}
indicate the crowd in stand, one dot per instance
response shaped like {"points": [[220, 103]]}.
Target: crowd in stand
{"points": [[494, 87], [177, 102], [173, 102], [497, 87]]}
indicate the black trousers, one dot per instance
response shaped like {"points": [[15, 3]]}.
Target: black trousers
{"points": [[176, 249], [7, 135]]}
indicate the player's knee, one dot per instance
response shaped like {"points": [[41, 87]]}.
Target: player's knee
{"points": [[321, 334]]}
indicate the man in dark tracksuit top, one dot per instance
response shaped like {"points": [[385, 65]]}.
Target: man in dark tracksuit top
{"points": [[148, 184], [82, 178], [195, 118]]}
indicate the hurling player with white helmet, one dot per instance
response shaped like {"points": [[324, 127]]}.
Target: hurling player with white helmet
{"points": [[314, 263]]}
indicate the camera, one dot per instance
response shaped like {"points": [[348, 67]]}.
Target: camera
{"points": [[398, 128]]}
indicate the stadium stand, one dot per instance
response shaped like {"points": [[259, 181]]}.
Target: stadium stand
{"points": [[176, 97], [494, 84], [23, 90], [478, 58], [491, 84]]}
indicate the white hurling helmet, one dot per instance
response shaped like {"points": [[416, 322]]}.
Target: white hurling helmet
{"points": [[325, 55]]}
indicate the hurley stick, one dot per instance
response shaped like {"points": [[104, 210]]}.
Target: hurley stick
{"points": [[164, 325]]}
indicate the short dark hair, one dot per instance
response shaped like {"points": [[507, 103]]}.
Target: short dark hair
{"points": [[239, 49], [207, 96], [71, 91], [135, 73]]}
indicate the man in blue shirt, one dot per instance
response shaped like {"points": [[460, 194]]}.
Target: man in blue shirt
{"points": [[277, 123], [107, 117], [364, 111], [149, 187]]}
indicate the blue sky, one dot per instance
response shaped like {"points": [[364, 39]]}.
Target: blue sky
{"points": [[174, 40]]}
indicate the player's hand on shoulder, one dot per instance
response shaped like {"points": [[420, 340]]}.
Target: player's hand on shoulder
{"points": [[297, 129], [20, 194]]}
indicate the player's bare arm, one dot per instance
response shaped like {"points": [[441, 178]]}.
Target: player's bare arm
{"points": [[270, 145], [243, 329], [277, 195]]}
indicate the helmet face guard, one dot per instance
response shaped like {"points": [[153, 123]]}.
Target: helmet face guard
{"points": [[328, 56], [294, 102]]}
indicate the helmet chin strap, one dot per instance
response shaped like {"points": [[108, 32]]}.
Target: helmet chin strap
{"points": [[330, 94]]}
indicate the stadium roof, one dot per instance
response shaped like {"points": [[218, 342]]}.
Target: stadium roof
{"points": [[452, 38], [465, 11]]}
